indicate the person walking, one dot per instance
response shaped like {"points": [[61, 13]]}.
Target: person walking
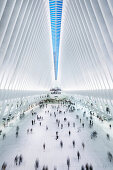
{"points": [[36, 164], [73, 144], [16, 160], [16, 134], [78, 155], [82, 168], [68, 163], [44, 146], [4, 165], [20, 159], [90, 167], [32, 122], [69, 133], [61, 144], [87, 166], [83, 145]]}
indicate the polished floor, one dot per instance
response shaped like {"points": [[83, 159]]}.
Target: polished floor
{"points": [[30, 145]]}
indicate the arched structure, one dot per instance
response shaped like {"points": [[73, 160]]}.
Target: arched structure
{"points": [[42, 38]]}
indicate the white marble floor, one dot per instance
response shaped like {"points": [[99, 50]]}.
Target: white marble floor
{"points": [[31, 145]]}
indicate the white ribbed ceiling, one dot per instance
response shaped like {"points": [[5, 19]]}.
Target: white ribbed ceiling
{"points": [[86, 47], [85, 44], [26, 57]]}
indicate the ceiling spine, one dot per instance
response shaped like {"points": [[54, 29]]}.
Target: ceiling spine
{"points": [[56, 16]]}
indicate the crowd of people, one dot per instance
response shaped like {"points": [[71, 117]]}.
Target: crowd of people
{"points": [[18, 160]]}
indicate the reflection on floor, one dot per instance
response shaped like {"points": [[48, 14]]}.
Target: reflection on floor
{"points": [[55, 125]]}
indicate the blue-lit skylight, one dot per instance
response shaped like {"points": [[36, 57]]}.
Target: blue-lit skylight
{"points": [[55, 16]]}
